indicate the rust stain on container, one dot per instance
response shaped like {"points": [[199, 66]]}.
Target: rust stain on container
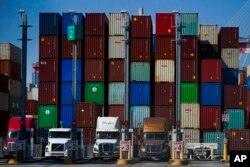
{"points": [[235, 96], [67, 48], [141, 27], [210, 118], [165, 47], [140, 49], [49, 47], [189, 47], [164, 93], [116, 70], [94, 70], [239, 139], [96, 24], [167, 112], [229, 37], [48, 93], [209, 74], [116, 111], [48, 70], [31, 107], [95, 47], [189, 70], [242, 77]]}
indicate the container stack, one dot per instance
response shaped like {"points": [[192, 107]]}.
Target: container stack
{"points": [[141, 56], [164, 86], [66, 109], [49, 60], [116, 87]]}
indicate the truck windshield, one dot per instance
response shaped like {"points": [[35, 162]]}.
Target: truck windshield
{"points": [[154, 136], [107, 135], [13, 134], [59, 134]]}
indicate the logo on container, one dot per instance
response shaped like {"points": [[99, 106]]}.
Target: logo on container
{"points": [[94, 89], [47, 112]]}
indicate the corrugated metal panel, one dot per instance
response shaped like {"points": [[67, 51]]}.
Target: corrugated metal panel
{"points": [[153, 43], [31, 107], [47, 116], [242, 77], [116, 93], [137, 114], [189, 47], [116, 70], [208, 34], [164, 71], [95, 47], [141, 49], [116, 47], [165, 47], [230, 57], [14, 88], [49, 47], [215, 137], [247, 116], [48, 93], [229, 37], [50, 24], [190, 115], [89, 136], [210, 118], [208, 51], [236, 118], [140, 71], [211, 94], [116, 111], [94, 92], [10, 69], [189, 22], [15, 105], [141, 27], [167, 112], [10, 52], [235, 97], [4, 122], [189, 92], [140, 93], [248, 70], [4, 82], [67, 67], [116, 23], [209, 74], [190, 136], [67, 95], [95, 70], [67, 20], [67, 49], [164, 93], [66, 116], [165, 23], [48, 70], [239, 139], [96, 24], [189, 70], [4, 102], [230, 76]]}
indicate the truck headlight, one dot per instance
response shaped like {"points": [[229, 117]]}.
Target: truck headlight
{"points": [[143, 149]]}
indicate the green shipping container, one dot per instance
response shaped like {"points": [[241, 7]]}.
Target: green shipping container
{"points": [[236, 119], [140, 71], [215, 137], [47, 116], [189, 24], [94, 92], [189, 93]]}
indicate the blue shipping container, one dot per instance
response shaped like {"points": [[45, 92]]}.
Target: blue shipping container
{"points": [[154, 43], [210, 94], [140, 93], [137, 114], [215, 137], [67, 67], [236, 119], [248, 83], [66, 93], [230, 76], [66, 116], [67, 19], [50, 24]]}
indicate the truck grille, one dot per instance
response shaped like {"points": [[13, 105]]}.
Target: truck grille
{"points": [[106, 147], [57, 147], [12, 146], [154, 148]]}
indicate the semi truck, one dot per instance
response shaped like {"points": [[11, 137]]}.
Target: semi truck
{"points": [[153, 139], [108, 135]]}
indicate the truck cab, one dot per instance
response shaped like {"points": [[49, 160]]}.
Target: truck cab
{"points": [[153, 143]]}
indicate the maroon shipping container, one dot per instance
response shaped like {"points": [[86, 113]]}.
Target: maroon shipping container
{"points": [[49, 47], [189, 70], [87, 114], [167, 112], [229, 37], [136, 136], [10, 69], [248, 97], [248, 116], [165, 47], [48, 93], [242, 77], [96, 24], [189, 47], [94, 70], [67, 48], [48, 70], [4, 83], [208, 51], [31, 107], [235, 96], [116, 111], [95, 47], [165, 24], [4, 119], [140, 49], [164, 93], [210, 118], [211, 70], [141, 27], [116, 70], [88, 136], [239, 139]]}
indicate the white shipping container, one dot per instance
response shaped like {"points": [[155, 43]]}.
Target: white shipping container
{"points": [[33, 94], [190, 136], [137, 115], [190, 115], [230, 57], [209, 34], [15, 88], [117, 21], [164, 70], [116, 47], [10, 52], [4, 101]]}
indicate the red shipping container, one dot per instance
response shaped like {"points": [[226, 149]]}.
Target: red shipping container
{"points": [[248, 97], [141, 27], [87, 114], [95, 47], [189, 70], [88, 136], [67, 48], [242, 76], [48, 70], [239, 139], [116, 70], [189, 47], [49, 47], [229, 37], [210, 118], [248, 116], [48, 93], [94, 70], [211, 70], [165, 47], [167, 112], [164, 93], [235, 97], [4, 119], [141, 49], [208, 51], [165, 24], [116, 111], [31, 107], [96, 24], [4, 83], [10, 69]]}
